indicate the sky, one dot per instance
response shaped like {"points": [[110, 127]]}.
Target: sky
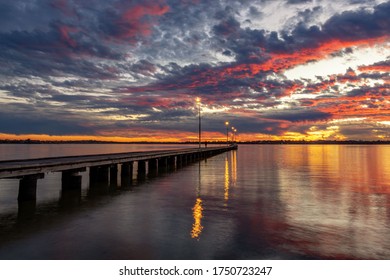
{"points": [[131, 70]]}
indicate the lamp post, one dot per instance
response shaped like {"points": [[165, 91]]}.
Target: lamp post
{"points": [[227, 133], [199, 130], [232, 134]]}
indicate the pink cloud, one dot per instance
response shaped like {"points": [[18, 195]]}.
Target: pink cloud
{"points": [[139, 20], [65, 35]]}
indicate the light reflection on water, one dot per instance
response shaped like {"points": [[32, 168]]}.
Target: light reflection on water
{"points": [[197, 212], [260, 202]]}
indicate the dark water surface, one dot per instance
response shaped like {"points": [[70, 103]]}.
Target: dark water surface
{"points": [[260, 202]]}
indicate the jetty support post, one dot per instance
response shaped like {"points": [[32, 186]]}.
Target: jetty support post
{"points": [[152, 167], [162, 164], [71, 182], [27, 196], [141, 173], [71, 179], [179, 161], [171, 162], [127, 173], [28, 187], [113, 170], [98, 175]]}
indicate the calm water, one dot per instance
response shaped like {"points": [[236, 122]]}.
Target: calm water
{"points": [[260, 202]]}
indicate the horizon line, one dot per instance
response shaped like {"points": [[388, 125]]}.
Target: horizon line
{"points": [[91, 141]]}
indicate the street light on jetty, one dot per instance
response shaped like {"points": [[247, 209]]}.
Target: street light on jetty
{"points": [[232, 134], [227, 133], [235, 134], [199, 130]]}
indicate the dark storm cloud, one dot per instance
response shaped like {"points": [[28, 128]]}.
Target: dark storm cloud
{"points": [[342, 52], [298, 1], [39, 53], [361, 131], [227, 27], [247, 44], [376, 75], [379, 91], [361, 1], [58, 39], [142, 69], [253, 11], [182, 33], [38, 65], [206, 82], [26, 15], [347, 26], [73, 40], [359, 25], [299, 115], [71, 99], [308, 15], [381, 66], [257, 125], [132, 22], [27, 90], [80, 84], [216, 123], [18, 124]]}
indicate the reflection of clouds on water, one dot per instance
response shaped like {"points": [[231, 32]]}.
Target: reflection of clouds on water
{"points": [[340, 196]]}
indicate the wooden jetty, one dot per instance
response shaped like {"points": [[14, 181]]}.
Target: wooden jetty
{"points": [[102, 167]]}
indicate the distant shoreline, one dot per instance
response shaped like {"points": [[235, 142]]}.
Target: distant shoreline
{"points": [[268, 142]]}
